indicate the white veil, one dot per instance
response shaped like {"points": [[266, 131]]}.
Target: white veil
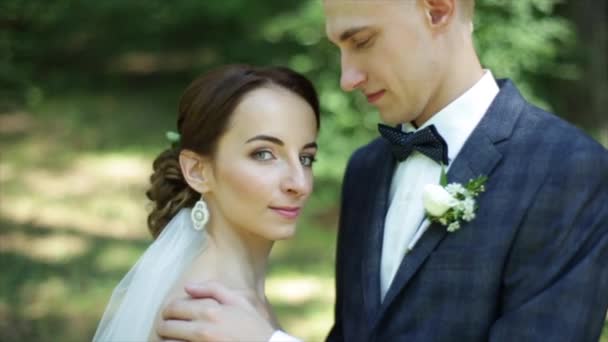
{"points": [[136, 300]]}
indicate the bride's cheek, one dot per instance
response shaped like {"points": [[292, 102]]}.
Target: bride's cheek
{"points": [[252, 184]]}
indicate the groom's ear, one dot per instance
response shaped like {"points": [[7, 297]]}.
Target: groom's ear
{"points": [[196, 170], [438, 12]]}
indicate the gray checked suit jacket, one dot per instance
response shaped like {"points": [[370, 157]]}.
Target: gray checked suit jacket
{"points": [[533, 264]]}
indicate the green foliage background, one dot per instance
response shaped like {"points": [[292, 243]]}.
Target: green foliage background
{"points": [[88, 88]]}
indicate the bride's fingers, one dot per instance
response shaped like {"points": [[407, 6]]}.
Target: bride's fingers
{"points": [[173, 330], [190, 309]]}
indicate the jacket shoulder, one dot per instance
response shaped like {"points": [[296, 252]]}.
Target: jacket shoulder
{"points": [[551, 130], [368, 155]]}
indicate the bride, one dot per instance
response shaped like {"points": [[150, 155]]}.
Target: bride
{"points": [[233, 182]]}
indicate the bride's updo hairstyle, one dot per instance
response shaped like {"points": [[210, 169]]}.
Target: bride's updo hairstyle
{"points": [[205, 109]]}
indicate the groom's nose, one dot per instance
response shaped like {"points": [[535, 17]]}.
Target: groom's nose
{"points": [[352, 77]]}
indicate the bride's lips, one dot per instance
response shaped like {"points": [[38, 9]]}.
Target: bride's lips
{"points": [[373, 97], [287, 212]]}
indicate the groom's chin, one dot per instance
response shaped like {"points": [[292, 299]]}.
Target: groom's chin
{"points": [[391, 118]]}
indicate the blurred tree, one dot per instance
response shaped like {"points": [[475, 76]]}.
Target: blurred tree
{"points": [[97, 44], [585, 99]]}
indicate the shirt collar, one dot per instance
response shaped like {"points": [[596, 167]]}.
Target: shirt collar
{"points": [[457, 120]]}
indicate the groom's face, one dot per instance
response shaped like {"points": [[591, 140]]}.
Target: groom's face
{"points": [[387, 52]]}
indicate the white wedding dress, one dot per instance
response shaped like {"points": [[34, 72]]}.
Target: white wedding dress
{"points": [[136, 300]]}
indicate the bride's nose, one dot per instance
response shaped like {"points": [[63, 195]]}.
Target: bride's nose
{"points": [[296, 181]]}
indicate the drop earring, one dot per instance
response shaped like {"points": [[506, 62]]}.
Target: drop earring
{"points": [[200, 214]]}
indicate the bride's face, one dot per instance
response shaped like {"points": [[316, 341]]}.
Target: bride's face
{"points": [[262, 169]]}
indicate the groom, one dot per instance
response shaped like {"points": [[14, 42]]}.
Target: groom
{"points": [[532, 265]]}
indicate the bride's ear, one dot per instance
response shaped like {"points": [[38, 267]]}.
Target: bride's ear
{"points": [[196, 170]]}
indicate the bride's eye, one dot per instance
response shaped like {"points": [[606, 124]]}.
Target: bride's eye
{"points": [[262, 155], [307, 160]]}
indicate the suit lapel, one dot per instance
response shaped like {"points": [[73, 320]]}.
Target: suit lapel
{"points": [[478, 156], [373, 226]]}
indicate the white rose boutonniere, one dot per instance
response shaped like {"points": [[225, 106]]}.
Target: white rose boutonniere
{"points": [[450, 204], [437, 200]]}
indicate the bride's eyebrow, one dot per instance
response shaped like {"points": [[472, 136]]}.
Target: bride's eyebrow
{"points": [[268, 138], [278, 141], [310, 145]]}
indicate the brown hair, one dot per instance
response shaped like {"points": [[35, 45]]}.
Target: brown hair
{"points": [[205, 109]]}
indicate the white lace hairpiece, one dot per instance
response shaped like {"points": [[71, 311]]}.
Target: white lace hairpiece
{"points": [[136, 300]]}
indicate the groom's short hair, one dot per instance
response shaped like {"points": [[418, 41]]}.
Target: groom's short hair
{"points": [[468, 8]]}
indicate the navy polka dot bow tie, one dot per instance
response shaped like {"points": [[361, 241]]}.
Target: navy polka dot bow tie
{"points": [[426, 141]]}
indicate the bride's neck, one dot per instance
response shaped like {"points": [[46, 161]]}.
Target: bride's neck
{"points": [[236, 258]]}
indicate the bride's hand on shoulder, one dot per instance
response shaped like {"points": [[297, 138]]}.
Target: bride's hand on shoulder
{"points": [[213, 313]]}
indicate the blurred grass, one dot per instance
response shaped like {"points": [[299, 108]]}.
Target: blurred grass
{"points": [[73, 171]]}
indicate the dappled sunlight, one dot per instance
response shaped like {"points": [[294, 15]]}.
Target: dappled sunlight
{"points": [[7, 172], [55, 248], [100, 194], [117, 258], [602, 137], [304, 304], [31, 141], [36, 150], [125, 222], [15, 122], [89, 174], [127, 169], [293, 290], [58, 279], [313, 327], [51, 185], [45, 297]]}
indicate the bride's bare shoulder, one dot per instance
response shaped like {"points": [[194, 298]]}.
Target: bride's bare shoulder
{"points": [[176, 294]]}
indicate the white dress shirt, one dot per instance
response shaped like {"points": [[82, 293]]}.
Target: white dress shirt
{"points": [[280, 336], [403, 225], [404, 219]]}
